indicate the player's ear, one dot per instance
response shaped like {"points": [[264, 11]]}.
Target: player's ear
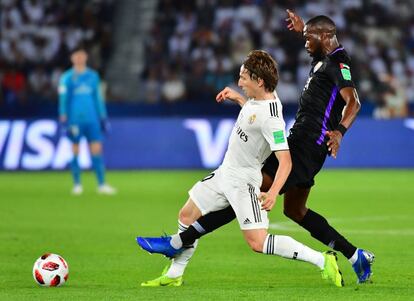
{"points": [[260, 82], [322, 36]]}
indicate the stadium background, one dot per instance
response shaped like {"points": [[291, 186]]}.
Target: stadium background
{"points": [[161, 63]]}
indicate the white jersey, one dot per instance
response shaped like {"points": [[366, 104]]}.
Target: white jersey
{"points": [[258, 131]]}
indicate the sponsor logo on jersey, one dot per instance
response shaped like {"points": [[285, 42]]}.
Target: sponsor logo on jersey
{"points": [[317, 66], [346, 71], [83, 89], [279, 137], [242, 134], [252, 119]]}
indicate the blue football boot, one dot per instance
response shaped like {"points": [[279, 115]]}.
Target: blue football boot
{"points": [[362, 266], [160, 245]]}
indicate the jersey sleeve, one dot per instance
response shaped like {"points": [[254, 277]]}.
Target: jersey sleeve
{"points": [[273, 130], [341, 74], [100, 102], [63, 95]]}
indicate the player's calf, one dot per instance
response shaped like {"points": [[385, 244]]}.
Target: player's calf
{"points": [[255, 239]]}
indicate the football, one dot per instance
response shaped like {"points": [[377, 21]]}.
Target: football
{"points": [[50, 270]]}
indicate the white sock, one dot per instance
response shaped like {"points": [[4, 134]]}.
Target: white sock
{"points": [[179, 263], [354, 257], [176, 241], [287, 247]]}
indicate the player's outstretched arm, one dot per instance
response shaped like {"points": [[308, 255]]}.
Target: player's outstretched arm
{"points": [[350, 112], [295, 22], [285, 166], [228, 93]]}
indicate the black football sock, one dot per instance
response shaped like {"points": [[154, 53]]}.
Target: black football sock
{"points": [[206, 224], [320, 229]]}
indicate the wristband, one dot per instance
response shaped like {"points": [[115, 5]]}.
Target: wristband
{"points": [[340, 128]]}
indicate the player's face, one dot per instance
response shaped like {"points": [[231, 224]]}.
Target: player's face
{"points": [[79, 58], [313, 44], [248, 85]]}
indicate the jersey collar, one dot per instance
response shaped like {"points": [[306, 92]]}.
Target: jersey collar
{"points": [[337, 49]]}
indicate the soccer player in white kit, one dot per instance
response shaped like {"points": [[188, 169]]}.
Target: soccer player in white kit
{"points": [[258, 131]]}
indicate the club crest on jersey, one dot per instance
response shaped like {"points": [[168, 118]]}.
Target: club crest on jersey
{"points": [[252, 119], [74, 130]]}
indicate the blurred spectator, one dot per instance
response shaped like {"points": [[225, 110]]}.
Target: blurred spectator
{"points": [[219, 74], [379, 35], [393, 99], [152, 87], [13, 85], [205, 41], [173, 88], [39, 83], [36, 37], [197, 89], [286, 88]]}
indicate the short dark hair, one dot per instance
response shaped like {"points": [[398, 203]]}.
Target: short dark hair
{"points": [[323, 23], [80, 47], [260, 64]]}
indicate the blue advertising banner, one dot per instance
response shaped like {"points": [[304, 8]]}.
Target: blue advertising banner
{"points": [[171, 143], [377, 143]]}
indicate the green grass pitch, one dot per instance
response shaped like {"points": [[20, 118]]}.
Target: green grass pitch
{"points": [[96, 235]]}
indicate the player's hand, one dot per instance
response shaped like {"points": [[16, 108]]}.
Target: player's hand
{"points": [[268, 200], [294, 21], [334, 142], [105, 126], [228, 93]]}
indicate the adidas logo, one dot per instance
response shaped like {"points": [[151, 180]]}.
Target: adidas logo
{"points": [[247, 221]]}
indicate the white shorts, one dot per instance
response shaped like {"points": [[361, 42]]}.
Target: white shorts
{"points": [[216, 192]]}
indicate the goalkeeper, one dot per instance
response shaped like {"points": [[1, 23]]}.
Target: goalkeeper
{"points": [[82, 113]]}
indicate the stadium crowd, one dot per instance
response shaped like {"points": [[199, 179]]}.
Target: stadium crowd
{"points": [[194, 48], [36, 37], [207, 39]]}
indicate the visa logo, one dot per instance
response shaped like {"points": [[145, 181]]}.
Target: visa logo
{"points": [[37, 145]]}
